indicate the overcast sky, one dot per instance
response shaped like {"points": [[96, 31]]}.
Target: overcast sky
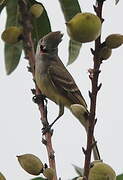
{"points": [[20, 130]]}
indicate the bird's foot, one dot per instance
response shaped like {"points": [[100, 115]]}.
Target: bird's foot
{"points": [[47, 129], [39, 98]]}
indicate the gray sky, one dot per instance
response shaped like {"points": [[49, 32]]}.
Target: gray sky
{"points": [[20, 130]]}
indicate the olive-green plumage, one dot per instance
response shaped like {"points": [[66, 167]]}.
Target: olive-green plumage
{"points": [[54, 80]]}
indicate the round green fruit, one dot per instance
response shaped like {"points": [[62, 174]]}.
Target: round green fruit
{"points": [[30, 163], [11, 35], [36, 10], [104, 53], [2, 176], [49, 173], [84, 27], [101, 171], [114, 41]]}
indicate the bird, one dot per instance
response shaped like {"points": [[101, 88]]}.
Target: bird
{"points": [[55, 81]]}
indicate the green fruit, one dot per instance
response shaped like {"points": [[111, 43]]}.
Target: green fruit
{"points": [[84, 27], [49, 173], [104, 53], [114, 41], [101, 171], [30, 163], [11, 35], [2, 176], [36, 10]]}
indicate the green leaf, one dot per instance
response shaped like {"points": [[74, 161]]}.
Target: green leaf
{"points": [[12, 13], [74, 49], [12, 56], [116, 2], [119, 177], [39, 178], [69, 10], [2, 5], [78, 170], [41, 25], [12, 51]]}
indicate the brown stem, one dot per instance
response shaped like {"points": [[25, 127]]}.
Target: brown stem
{"points": [[48, 135], [30, 55], [93, 99]]}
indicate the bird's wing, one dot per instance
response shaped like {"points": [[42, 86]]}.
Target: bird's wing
{"points": [[64, 82]]}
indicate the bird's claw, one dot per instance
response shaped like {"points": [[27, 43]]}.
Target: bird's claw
{"points": [[38, 98], [47, 129]]}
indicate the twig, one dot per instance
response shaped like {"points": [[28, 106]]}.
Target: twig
{"points": [[30, 55], [93, 95]]}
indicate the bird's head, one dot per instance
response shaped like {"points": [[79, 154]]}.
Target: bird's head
{"points": [[49, 43]]}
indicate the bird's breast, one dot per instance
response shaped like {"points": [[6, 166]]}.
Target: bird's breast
{"points": [[47, 89]]}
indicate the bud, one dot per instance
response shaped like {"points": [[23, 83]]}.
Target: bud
{"points": [[11, 35], [49, 173], [101, 171], [84, 27], [2, 176], [30, 163], [114, 41], [104, 53], [36, 10]]}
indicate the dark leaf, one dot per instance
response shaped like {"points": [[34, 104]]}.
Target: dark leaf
{"points": [[41, 25], [69, 10], [119, 177], [12, 52]]}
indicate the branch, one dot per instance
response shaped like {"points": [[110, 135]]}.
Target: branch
{"points": [[93, 95], [30, 55]]}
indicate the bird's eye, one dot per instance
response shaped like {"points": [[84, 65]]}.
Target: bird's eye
{"points": [[43, 49]]}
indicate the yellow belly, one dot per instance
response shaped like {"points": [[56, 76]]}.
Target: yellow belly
{"points": [[50, 91]]}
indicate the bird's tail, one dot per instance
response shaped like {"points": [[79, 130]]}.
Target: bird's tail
{"points": [[81, 113]]}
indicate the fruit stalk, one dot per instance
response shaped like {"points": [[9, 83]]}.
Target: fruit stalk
{"points": [[93, 96], [30, 55]]}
